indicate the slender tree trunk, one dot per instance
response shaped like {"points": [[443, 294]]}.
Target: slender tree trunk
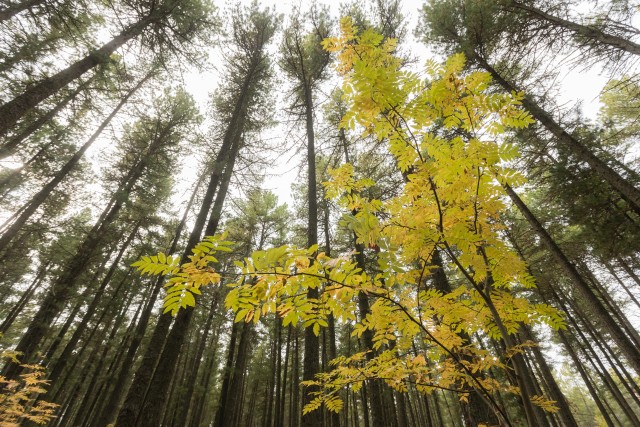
{"points": [[223, 401], [12, 10], [564, 413], [277, 372], [27, 210], [108, 386], [9, 147], [374, 390], [183, 412], [138, 409], [24, 299], [586, 378], [598, 365], [65, 357], [158, 386], [589, 32], [285, 374], [15, 109], [615, 275], [294, 410], [85, 406], [311, 342], [109, 412], [55, 299], [59, 386], [55, 343], [630, 193], [475, 410], [237, 379], [197, 416], [604, 318]]}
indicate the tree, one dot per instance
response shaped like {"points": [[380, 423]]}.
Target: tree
{"points": [[469, 27], [172, 24], [305, 62], [252, 31], [434, 210], [150, 143], [25, 212]]}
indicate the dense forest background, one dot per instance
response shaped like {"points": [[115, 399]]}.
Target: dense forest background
{"points": [[473, 240]]}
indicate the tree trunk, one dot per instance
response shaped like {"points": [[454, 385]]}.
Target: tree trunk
{"points": [[9, 147], [15, 109], [564, 413], [109, 412], [475, 410], [65, 357], [374, 390], [310, 362], [604, 318], [10, 11], [163, 358], [39, 198], [587, 31], [582, 153], [232, 414], [85, 407], [56, 298], [197, 416], [183, 412], [24, 299], [223, 401]]}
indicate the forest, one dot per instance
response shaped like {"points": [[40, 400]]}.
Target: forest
{"points": [[459, 245]]}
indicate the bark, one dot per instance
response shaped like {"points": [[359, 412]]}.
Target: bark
{"points": [[310, 362], [374, 388], [53, 346], [85, 407], [66, 356], [277, 371], [108, 386], [590, 32], [158, 386], [598, 365], [9, 147], [612, 306], [164, 358], [604, 318], [18, 107], [59, 387], [60, 290], [475, 411], [285, 374], [535, 416], [27, 210], [564, 413], [11, 11], [583, 344], [615, 275], [578, 364], [237, 379], [223, 402], [197, 416], [133, 404], [108, 413], [24, 299], [183, 412], [294, 413], [627, 191]]}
